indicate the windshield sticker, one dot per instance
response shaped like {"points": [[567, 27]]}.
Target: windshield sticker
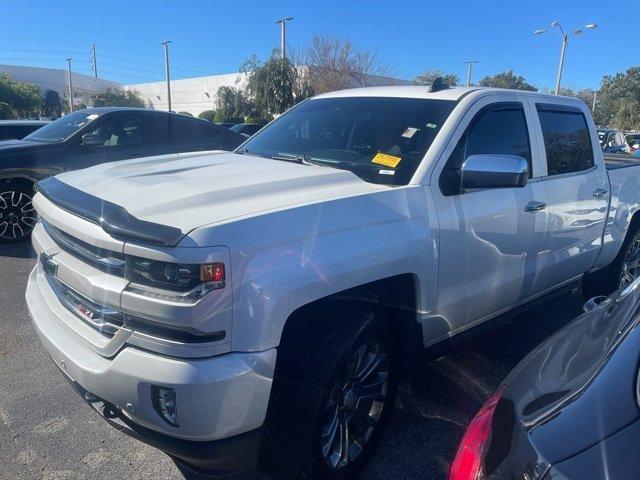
{"points": [[431, 125], [92, 117], [410, 132], [387, 172], [386, 160]]}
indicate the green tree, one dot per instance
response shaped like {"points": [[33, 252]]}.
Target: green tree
{"points": [[6, 111], [507, 79], [117, 97], [271, 86], [618, 102], [52, 105], [232, 105], [24, 99], [429, 76], [208, 115]]}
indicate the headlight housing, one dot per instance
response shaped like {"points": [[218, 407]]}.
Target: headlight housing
{"points": [[178, 282]]}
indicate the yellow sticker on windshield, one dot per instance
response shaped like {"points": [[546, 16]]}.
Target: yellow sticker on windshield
{"points": [[386, 160]]}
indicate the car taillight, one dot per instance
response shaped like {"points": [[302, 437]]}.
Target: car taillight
{"points": [[468, 464]]}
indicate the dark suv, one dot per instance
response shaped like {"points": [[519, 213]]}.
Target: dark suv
{"points": [[89, 137]]}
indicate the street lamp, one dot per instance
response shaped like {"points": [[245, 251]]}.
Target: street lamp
{"points": [[283, 34], [565, 41]]}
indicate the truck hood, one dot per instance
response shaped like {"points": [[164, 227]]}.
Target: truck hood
{"points": [[187, 191]]}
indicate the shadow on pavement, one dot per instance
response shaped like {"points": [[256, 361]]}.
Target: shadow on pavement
{"points": [[17, 250]]}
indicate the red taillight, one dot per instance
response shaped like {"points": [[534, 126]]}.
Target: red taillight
{"points": [[212, 272], [468, 462]]}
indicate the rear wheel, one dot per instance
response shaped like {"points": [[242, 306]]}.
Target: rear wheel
{"points": [[17, 215], [333, 392]]}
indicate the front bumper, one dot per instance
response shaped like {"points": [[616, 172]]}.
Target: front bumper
{"points": [[217, 398]]}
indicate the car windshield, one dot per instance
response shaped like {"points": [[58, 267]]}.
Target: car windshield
{"points": [[64, 127], [380, 139]]}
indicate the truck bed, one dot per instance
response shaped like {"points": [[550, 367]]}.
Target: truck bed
{"points": [[614, 161]]}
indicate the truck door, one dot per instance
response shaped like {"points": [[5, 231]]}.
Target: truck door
{"points": [[489, 243], [576, 192]]}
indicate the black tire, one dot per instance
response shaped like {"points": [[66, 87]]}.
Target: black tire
{"points": [[17, 215], [308, 392], [611, 278]]}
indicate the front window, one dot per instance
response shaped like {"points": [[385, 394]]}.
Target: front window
{"points": [[382, 140], [64, 127]]}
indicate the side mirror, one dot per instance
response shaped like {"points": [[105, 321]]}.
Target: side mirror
{"points": [[91, 140], [494, 171], [594, 303]]}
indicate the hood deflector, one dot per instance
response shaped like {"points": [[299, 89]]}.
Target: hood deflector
{"points": [[112, 218]]}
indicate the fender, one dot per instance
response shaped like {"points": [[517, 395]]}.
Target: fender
{"points": [[284, 260]]}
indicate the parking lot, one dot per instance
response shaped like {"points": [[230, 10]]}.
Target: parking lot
{"points": [[46, 432]]}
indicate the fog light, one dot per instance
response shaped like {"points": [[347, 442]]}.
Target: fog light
{"points": [[164, 402]]}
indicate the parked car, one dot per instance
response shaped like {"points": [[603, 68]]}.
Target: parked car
{"points": [[268, 300], [90, 137], [18, 129], [633, 140], [246, 128], [570, 409], [613, 141]]}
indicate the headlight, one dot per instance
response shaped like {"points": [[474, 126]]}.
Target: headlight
{"points": [[173, 281]]}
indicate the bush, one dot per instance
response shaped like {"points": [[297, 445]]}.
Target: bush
{"points": [[208, 115]]}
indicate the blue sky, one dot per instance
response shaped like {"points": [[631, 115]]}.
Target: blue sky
{"points": [[211, 37]]}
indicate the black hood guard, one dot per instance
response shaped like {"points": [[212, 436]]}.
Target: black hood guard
{"points": [[112, 218]]}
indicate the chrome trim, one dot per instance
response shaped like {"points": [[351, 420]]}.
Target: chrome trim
{"points": [[105, 260], [103, 319]]}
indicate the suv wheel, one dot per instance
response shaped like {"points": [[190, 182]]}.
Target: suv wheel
{"points": [[333, 391], [17, 215]]}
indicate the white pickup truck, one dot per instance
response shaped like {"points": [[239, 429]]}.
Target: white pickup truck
{"points": [[226, 307]]}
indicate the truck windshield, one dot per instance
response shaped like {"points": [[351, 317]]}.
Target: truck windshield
{"points": [[380, 139], [64, 127]]}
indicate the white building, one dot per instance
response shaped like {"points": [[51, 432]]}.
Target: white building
{"points": [[54, 79], [193, 95]]}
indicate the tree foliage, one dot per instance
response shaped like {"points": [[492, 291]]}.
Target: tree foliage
{"points": [[21, 98], [272, 86], [232, 105], [207, 115], [117, 97], [507, 79], [335, 64], [618, 102], [52, 106], [429, 76]]}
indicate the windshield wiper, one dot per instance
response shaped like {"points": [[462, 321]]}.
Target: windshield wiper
{"points": [[301, 159]]}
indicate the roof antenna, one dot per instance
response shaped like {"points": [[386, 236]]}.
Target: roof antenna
{"points": [[437, 85]]}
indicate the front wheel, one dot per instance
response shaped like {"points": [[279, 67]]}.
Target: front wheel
{"points": [[333, 392], [17, 215]]}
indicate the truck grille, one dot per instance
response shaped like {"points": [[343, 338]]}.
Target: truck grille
{"points": [[105, 260]]}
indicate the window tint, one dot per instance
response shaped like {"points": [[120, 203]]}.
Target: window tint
{"points": [[185, 130], [18, 132], [118, 131], [495, 130], [566, 141]]}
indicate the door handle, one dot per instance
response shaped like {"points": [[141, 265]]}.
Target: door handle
{"points": [[600, 193], [534, 206]]}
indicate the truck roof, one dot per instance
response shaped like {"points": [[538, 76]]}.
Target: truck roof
{"points": [[422, 91]]}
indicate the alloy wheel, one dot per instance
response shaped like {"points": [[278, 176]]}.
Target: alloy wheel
{"points": [[631, 263], [355, 404], [17, 215]]}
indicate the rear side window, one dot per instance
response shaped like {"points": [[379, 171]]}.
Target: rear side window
{"points": [[566, 140], [497, 129]]}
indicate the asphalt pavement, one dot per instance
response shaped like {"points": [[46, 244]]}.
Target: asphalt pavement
{"points": [[47, 432]]}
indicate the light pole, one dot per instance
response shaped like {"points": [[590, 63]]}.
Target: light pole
{"points": [[283, 34], [70, 86], [469, 67], [166, 72], [565, 41]]}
